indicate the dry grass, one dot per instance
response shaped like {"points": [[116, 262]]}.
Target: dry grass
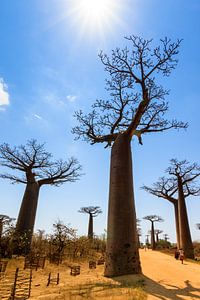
{"points": [[90, 284]]}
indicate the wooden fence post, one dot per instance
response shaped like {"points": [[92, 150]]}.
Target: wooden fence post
{"points": [[14, 285]]}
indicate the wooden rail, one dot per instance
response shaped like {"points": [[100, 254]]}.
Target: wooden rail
{"points": [[16, 286]]}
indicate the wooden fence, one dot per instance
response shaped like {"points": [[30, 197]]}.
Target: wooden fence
{"points": [[16, 286], [32, 262]]}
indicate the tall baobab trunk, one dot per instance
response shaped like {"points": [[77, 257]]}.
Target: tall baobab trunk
{"points": [[185, 236], [177, 223], [138, 238], [90, 227], [157, 238], [1, 232], [153, 244], [122, 256], [27, 213], [1, 229]]}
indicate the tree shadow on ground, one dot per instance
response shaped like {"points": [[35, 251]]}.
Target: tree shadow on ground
{"points": [[112, 288], [133, 287], [168, 291]]}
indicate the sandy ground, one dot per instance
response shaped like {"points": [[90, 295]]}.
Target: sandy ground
{"points": [[163, 278], [167, 278]]}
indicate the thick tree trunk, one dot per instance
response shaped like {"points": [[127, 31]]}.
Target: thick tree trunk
{"points": [[177, 224], [90, 227], [27, 213], [153, 244], [1, 229], [1, 232], [138, 236], [157, 239], [185, 236], [122, 256]]}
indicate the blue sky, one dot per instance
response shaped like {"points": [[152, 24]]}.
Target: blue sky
{"points": [[49, 68]]}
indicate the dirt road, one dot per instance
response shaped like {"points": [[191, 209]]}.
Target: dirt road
{"points": [[167, 278], [163, 278]]}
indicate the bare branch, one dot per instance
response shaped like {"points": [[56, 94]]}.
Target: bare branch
{"points": [[167, 188], [136, 102], [94, 211], [153, 218], [35, 163]]}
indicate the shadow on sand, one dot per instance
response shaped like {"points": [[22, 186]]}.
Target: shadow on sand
{"points": [[156, 289], [133, 282]]}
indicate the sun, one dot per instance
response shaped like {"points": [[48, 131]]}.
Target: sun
{"points": [[95, 16], [95, 9]]}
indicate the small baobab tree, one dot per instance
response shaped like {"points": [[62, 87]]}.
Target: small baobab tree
{"points": [[157, 232], [166, 188], [38, 169], [136, 106], [147, 239], [93, 212], [139, 231], [180, 185], [153, 219], [166, 237]]}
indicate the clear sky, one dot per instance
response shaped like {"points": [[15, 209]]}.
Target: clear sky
{"points": [[49, 68]]}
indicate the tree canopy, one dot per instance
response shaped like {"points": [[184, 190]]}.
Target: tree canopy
{"points": [[35, 163], [136, 102]]}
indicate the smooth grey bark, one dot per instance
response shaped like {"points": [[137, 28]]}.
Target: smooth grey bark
{"points": [[176, 214], [185, 235], [157, 238], [1, 228], [122, 256], [153, 244], [90, 227], [27, 213], [26, 218]]}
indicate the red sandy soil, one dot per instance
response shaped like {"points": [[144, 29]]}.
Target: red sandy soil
{"points": [[167, 278], [163, 278]]}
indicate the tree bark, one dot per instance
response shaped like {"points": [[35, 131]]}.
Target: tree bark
{"points": [[90, 227], [122, 256], [157, 239], [1, 229], [27, 213], [153, 244], [177, 223], [185, 236]]}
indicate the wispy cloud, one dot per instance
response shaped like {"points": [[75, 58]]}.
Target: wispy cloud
{"points": [[71, 98], [4, 95], [37, 117], [60, 102], [33, 118]]}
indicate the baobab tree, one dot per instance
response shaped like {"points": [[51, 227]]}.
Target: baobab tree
{"points": [[180, 185], [136, 106], [147, 239], [166, 237], [139, 231], [37, 170], [153, 219], [157, 232], [93, 212], [166, 188]]}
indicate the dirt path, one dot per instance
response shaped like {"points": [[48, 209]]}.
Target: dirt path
{"points": [[163, 278], [167, 278]]}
